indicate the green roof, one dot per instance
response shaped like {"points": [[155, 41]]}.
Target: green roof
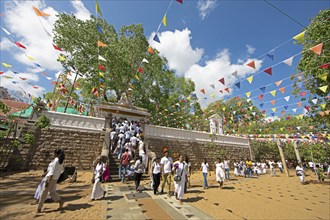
{"points": [[26, 113]]}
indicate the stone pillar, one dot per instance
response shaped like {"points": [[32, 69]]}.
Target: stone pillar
{"points": [[220, 130], [213, 128]]}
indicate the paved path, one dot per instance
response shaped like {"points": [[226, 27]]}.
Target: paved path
{"points": [[123, 202]]}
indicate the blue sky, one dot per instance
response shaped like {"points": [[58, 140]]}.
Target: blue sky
{"points": [[204, 41]]}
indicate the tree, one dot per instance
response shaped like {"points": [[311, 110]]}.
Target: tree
{"points": [[318, 31]]}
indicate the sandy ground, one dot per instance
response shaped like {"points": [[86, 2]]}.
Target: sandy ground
{"points": [[241, 198]]}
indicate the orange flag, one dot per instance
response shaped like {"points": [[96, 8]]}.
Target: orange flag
{"points": [[40, 13], [100, 44], [203, 91], [299, 104], [282, 90], [317, 49], [273, 102], [251, 64], [150, 50], [239, 104]]}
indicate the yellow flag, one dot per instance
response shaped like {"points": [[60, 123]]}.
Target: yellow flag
{"points": [[6, 65], [97, 7], [248, 94], [250, 79], [137, 77], [30, 58], [274, 110], [323, 106], [164, 21], [324, 76], [101, 74], [299, 37], [251, 107], [212, 95], [273, 93], [323, 88], [61, 58], [224, 109]]}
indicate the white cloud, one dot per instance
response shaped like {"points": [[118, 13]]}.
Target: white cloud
{"points": [[250, 49], [81, 12], [176, 47], [205, 7], [6, 44]]}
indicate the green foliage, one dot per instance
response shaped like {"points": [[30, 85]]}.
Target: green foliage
{"points": [[318, 31], [4, 108], [3, 134], [43, 122], [29, 138]]}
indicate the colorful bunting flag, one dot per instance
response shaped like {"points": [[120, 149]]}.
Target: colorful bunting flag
{"points": [[273, 93], [288, 61], [248, 94], [95, 91], [261, 96], [317, 49], [322, 88], [238, 85], [99, 29], [303, 93], [314, 101], [268, 70], [323, 77], [325, 66], [307, 108], [40, 13], [286, 107], [323, 106], [100, 44], [20, 45], [239, 104], [98, 9], [101, 67], [101, 74], [6, 65], [271, 54], [7, 32], [222, 80], [282, 90], [180, 1], [102, 58], [227, 90], [61, 58], [164, 20], [278, 83], [250, 79], [56, 47], [150, 50], [274, 110], [299, 37], [212, 85], [203, 91], [273, 102], [299, 104], [145, 60], [30, 58], [235, 74], [251, 64], [140, 70], [156, 38]]}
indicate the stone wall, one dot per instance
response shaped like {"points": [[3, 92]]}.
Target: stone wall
{"points": [[196, 151], [81, 148]]}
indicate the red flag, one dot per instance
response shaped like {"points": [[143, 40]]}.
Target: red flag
{"points": [[307, 108], [261, 96], [220, 91], [140, 70], [20, 45], [35, 87], [236, 98], [222, 80], [268, 70], [54, 83], [101, 67], [251, 64], [325, 66], [303, 93], [2, 73], [180, 1], [95, 91], [203, 91], [23, 78], [227, 90], [263, 111], [56, 47]]}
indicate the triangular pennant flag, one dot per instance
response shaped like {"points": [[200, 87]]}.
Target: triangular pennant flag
{"points": [[61, 58], [278, 83], [273, 102], [317, 49], [102, 58], [235, 74], [99, 29], [227, 90], [314, 101], [270, 55], [251, 64], [248, 94], [238, 85], [283, 112], [150, 50], [273, 93], [299, 104], [180, 1], [7, 32], [248, 100], [288, 61], [239, 104], [40, 13], [220, 91], [272, 114], [286, 107], [49, 78], [325, 66], [222, 80], [261, 96], [251, 107], [101, 74], [203, 91], [101, 67], [164, 21], [6, 65], [98, 9], [30, 58], [100, 44], [140, 70], [23, 78], [299, 37], [303, 93], [250, 79], [212, 85], [156, 38], [269, 70], [20, 45], [56, 47], [274, 110], [322, 88], [263, 89], [308, 108], [324, 76], [212, 95], [145, 60], [8, 77], [224, 109], [282, 90], [323, 106], [321, 113], [95, 91]]}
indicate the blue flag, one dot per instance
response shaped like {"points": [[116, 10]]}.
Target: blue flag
{"points": [[156, 38], [263, 89], [238, 85], [99, 29]]}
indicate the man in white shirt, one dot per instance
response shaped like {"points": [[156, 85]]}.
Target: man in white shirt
{"points": [[166, 168]]}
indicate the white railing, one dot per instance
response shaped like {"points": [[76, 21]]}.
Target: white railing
{"points": [[75, 122], [199, 136]]}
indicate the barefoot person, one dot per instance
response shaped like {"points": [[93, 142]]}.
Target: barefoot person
{"points": [[180, 171], [166, 169], [220, 174], [98, 192], [55, 168]]}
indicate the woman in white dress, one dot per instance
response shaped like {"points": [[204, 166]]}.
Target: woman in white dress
{"points": [[236, 169], [180, 168], [219, 172], [98, 192]]}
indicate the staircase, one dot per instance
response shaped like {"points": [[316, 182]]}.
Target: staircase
{"points": [[113, 167]]}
